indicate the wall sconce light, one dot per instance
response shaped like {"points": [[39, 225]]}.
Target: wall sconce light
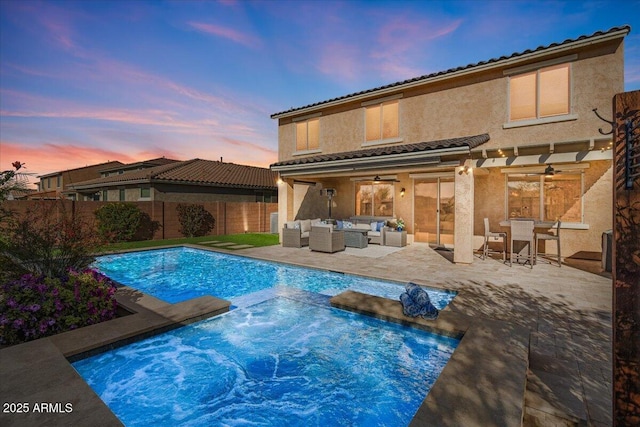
{"points": [[402, 192], [376, 178]]}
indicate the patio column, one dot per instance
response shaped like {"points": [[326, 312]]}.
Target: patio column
{"points": [[285, 203], [463, 225]]}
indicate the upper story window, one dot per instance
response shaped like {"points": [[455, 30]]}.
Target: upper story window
{"points": [[121, 195], [145, 192], [308, 135], [58, 181], [382, 121], [541, 93]]}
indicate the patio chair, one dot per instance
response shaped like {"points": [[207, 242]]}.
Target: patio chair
{"points": [[488, 235], [550, 237], [522, 231], [326, 239], [294, 237]]}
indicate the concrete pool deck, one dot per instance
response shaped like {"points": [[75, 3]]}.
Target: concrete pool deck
{"points": [[537, 341]]}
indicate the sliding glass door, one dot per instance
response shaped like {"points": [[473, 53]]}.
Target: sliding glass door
{"points": [[434, 210]]}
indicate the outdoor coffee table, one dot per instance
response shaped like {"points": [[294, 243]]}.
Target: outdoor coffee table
{"points": [[356, 237]]}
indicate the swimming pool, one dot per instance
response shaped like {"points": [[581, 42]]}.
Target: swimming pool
{"points": [[283, 361], [178, 274]]}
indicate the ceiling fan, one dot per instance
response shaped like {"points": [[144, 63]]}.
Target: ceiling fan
{"points": [[378, 179], [550, 171]]}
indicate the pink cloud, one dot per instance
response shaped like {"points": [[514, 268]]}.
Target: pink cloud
{"points": [[228, 33], [401, 41], [340, 59]]}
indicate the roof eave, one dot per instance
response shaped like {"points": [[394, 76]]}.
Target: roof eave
{"points": [[507, 62], [373, 162]]}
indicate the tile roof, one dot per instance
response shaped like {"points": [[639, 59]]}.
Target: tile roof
{"points": [[149, 163], [469, 141], [113, 163], [427, 77], [195, 171]]}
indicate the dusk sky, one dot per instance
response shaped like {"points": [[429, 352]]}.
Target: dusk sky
{"points": [[85, 82]]}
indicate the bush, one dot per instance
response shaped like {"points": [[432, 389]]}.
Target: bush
{"points": [[195, 220], [118, 222], [46, 240], [38, 306]]}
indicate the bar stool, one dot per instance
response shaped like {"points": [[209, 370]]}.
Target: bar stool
{"points": [[488, 234], [522, 231], [547, 236]]}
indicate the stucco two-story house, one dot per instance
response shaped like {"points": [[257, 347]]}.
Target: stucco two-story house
{"points": [[54, 184], [510, 137]]}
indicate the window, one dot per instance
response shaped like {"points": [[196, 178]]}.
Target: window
{"points": [[382, 121], [58, 181], [539, 94], [266, 197], [121, 198], [308, 135], [545, 198], [49, 182], [145, 192], [104, 195], [374, 198]]}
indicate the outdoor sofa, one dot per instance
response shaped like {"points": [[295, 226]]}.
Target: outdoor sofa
{"points": [[295, 234], [324, 238]]}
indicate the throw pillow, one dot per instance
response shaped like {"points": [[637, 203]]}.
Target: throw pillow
{"points": [[347, 224], [339, 223], [374, 226]]}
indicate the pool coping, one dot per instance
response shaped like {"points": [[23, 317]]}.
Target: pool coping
{"points": [[45, 364], [483, 383]]}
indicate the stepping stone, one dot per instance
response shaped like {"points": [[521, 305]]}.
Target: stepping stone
{"points": [[240, 246], [223, 244], [209, 242]]}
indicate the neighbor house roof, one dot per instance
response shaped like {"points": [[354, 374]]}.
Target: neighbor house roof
{"points": [[394, 155], [194, 172], [599, 36], [144, 163], [108, 164]]}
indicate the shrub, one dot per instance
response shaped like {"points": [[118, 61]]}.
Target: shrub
{"points": [[46, 240], [38, 306], [118, 222], [195, 220]]}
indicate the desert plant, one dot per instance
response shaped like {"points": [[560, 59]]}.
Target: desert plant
{"points": [[12, 180], [46, 240], [118, 222], [37, 306], [195, 220]]}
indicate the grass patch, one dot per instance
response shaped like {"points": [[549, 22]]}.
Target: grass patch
{"points": [[253, 239]]}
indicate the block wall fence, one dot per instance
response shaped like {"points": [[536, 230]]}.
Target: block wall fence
{"points": [[231, 217]]}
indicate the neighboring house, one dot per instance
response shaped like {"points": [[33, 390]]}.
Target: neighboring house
{"points": [[53, 184], [445, 150], [190, 181], [130, 167]]}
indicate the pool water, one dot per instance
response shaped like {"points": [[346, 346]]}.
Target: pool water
{"points": [[178, 274], [283, 361]]}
